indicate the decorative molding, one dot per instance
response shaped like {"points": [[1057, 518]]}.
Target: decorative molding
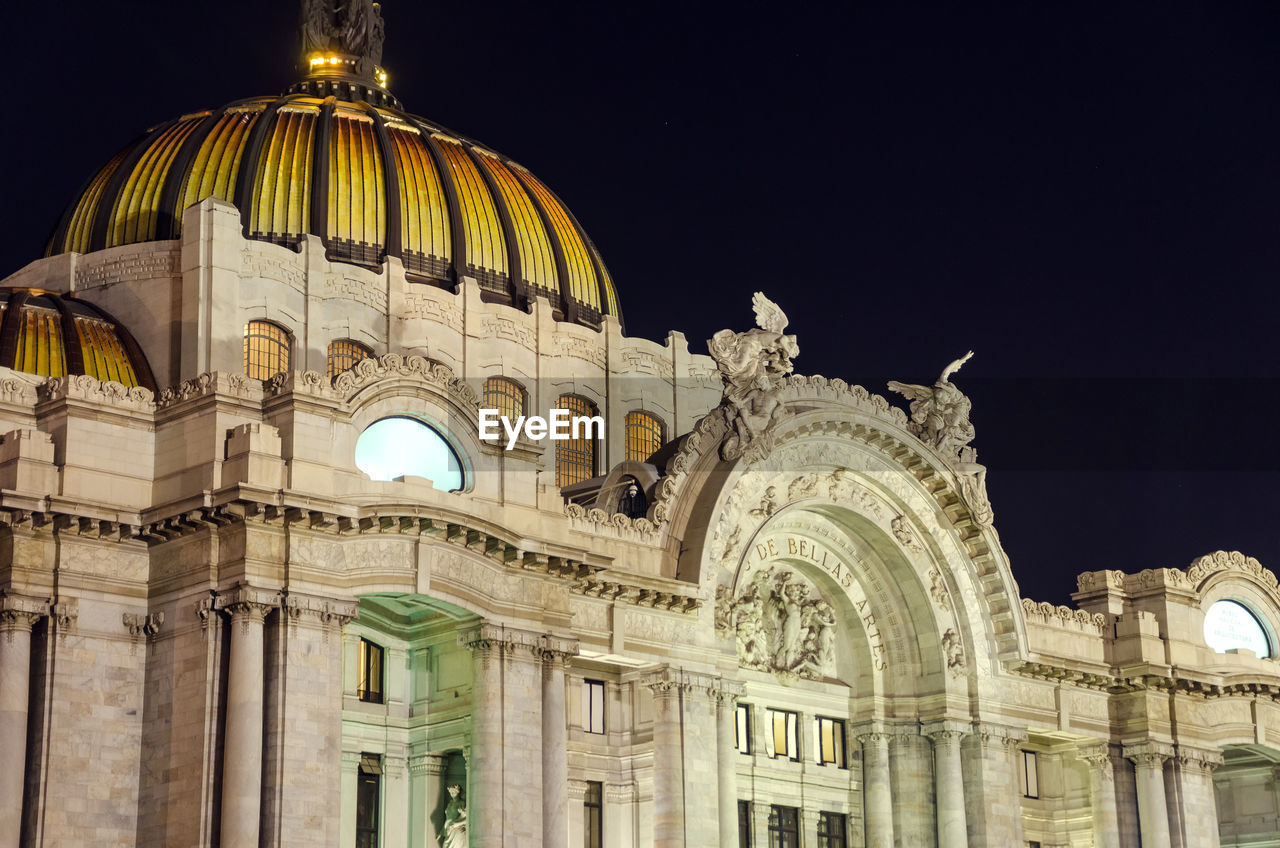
{"points": [[953, 652], [1148, 753], [211, 383], [142, 624], [86, 388], [1062, 616], [778, 627], [368, 371]]}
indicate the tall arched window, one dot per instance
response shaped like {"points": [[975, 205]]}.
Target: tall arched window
{"points": [[504, 395], [344, 354], [644, 435], [266, 349], [576, 457]]}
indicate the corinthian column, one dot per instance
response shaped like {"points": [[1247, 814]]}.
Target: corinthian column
{"points": [[16, 619], [1102, 796], [1199, 800], [953, 829], [242, 749], [1153, 811], [727, 757], [877, 801], [668, 764], [484, 765], [555, 737]]}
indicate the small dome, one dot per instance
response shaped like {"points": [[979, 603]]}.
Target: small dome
{"points": [[54, 335], [339, 160]]}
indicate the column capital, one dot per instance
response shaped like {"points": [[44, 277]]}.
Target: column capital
{"points": [[577, 790], [999, 734], [619, 793], [251, 602], [142, 625], [486, 638], [429, 762], [945, 731], [668, 681], [323, 611], [1148, 752], [1098, 756], [1206, 760], [18, 613]]}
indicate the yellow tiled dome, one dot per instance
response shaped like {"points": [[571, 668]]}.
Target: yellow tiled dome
{"points": [[337, 158], [54, 335]]}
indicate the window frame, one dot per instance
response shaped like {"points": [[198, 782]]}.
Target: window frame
{"points": [[576, 455], [1030, 774], [251, 368], [833, 829], [840, 751], [518, 396], [593, 815], [333, 357], [791, 733], [365, 653], [778, 829], [655, 439], [742, 729], [369, 774], [744, 824], [589, 702]]}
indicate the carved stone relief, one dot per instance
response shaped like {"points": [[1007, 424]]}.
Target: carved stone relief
{"points": [[779, 627]]}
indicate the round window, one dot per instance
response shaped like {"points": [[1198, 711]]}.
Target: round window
{"points": [[400, 447], [1229, 624]]}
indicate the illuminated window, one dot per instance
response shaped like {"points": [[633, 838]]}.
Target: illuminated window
{"points": [[644, 435], [593, 706], [266, 350], [344, 354], [830, 736], [783, 733], [1230, 625], [831, 830], [369, 672], [368, 789], [1030, 775], [504, 395], [576, 457], [401, 447], [784, 827], [742, 729]]}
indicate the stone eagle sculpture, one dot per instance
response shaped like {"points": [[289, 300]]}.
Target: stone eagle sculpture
{"points": [[753, 366], [939, 413]]}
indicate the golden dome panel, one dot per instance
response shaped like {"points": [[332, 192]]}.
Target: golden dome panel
{"points": [[370, 180]]}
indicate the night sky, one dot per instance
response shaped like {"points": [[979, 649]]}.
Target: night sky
{"points": [[1085, 195]]}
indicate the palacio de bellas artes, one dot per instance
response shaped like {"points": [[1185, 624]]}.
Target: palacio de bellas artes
{"points": [[337, 508]]}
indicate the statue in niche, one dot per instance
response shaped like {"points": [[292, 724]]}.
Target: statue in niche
{"points": [[939, 413], [753, 366], [781, 629], [454, 832]]}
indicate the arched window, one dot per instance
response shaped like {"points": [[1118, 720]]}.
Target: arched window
{"points": [[576, 457], [266, 349], [344, 354], [400, 446], [644, 435], [506, 396]]}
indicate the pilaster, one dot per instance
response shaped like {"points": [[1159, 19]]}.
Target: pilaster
{"points": [[1149, 757], [17, 616]]}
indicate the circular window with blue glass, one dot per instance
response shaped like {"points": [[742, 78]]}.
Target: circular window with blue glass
{"points": [[406, 447]]}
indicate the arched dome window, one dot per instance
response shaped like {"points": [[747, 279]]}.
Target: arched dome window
{"points": [[576, 457], [267, 349], [405, 447], [644, 435], [1230, 625], [344, 354], [504, 395]]}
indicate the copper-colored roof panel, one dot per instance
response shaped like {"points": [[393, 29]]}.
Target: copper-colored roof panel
{"points": [[481, 227], [537, 262]]}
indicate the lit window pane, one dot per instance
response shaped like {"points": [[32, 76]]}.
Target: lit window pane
{"points": [[344, 354], [504, 395], [576, 457], [266, 350], [401, 447], [644, 435], [1229, 625]]}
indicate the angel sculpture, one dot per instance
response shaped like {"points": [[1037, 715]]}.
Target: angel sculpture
{"points": [[939, 413], [752, 366]]}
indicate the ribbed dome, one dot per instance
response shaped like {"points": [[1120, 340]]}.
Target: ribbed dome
{"points": [[55, 335], [342, 162]]}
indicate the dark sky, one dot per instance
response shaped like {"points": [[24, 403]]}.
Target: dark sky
{"points": [[1085, 194]]}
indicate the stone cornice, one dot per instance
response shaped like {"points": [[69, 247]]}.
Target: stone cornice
{"points": [[323, 611], [1176, 580], [81, 387], [211, 384], [1063, 616], [486, 638], [668, 681]]}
